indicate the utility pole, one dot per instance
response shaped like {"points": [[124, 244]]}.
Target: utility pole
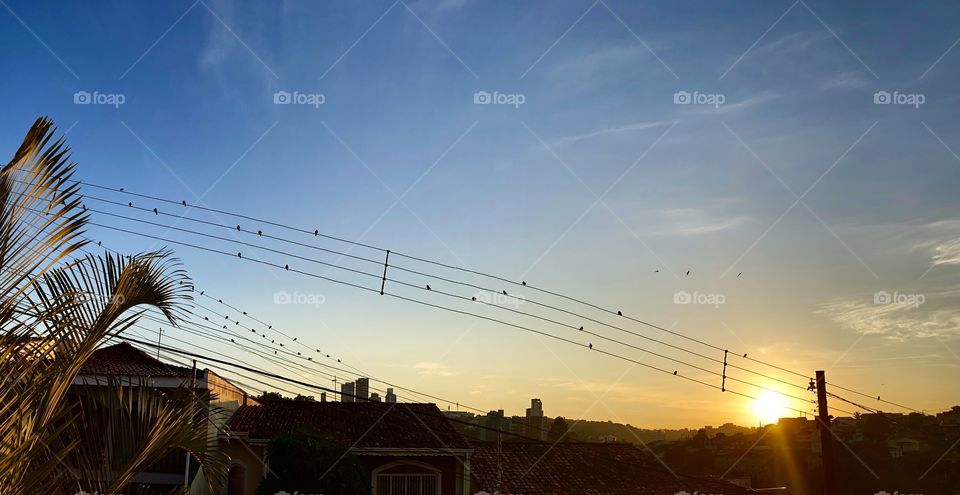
{"points": [[193, 386], [826, 436]]}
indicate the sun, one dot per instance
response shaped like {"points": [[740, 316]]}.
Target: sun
{"points": [[769, 407]]}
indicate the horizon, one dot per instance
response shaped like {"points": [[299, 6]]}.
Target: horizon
{"points": [[773, 179]]}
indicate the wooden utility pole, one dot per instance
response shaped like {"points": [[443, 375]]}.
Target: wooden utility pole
{"points": [[826, 436]]}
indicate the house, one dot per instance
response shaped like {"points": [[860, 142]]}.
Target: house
{"points": [[412, 445], [128, 366], [522, 468], [900, 446]]}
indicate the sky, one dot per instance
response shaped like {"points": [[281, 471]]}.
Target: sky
{"points": [[799, 159]]}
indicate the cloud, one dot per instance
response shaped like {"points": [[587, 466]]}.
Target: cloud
{"points": [[898, 320], [692, 222], [608, 131], [428, 368], [947, 252]]}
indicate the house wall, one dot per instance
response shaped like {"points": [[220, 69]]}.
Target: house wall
{"points": [[451, 470]]}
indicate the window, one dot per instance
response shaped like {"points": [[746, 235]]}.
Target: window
{"points": [[406, 478]]}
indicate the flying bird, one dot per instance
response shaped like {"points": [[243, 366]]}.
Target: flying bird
{"points": [[738, 275]]}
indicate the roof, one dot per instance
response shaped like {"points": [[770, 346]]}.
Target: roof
{"points": [[530, 468], [125, 360], [364, 425]]}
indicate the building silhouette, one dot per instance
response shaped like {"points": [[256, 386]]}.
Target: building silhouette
{"points": [[363, 388], [534, 422], [391, 397], [375, 397], [347, 392], [494, 423]]}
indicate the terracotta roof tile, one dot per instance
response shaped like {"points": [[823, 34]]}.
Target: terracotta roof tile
{"points": [[125, 360], [529, 468], [363, 424]]}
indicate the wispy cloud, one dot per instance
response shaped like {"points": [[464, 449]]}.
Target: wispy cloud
{"points": [[607, 131], [897, 320], [428, 368], [690, 222], [947, 252]]}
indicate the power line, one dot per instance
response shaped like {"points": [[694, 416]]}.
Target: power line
{"points": [[424, 260], [298, 382]]}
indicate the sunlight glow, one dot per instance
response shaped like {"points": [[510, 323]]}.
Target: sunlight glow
{"points": [[769, 407]]}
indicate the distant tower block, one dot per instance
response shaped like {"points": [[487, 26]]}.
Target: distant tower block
{"points": [[375, 397], [535, 424], [363, 388], [347, 392], [391, 397]]}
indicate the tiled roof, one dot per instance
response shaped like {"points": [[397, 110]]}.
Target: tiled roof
{"points": [[359, 424], [529, 468], [125, 360]]}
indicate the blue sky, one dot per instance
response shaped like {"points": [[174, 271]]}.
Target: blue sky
{"points": [[511, 190]]}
